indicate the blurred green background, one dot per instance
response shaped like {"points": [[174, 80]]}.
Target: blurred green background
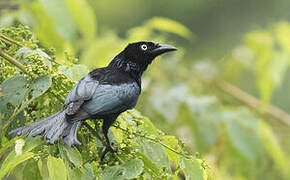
{"points": [[225, 93]]}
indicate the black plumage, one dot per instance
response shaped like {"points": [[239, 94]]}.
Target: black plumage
{"points": [[103, 94]]}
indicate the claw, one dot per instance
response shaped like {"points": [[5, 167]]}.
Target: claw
{"points": [[109, 148]]}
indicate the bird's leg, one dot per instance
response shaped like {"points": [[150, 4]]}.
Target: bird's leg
{"points": [[106, 125]]}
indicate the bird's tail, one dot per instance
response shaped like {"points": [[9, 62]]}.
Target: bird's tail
{"points": [[52, 128]]}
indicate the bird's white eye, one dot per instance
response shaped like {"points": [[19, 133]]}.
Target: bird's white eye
{"points": [[144, 47]]}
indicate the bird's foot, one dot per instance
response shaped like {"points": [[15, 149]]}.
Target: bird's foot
{"points": [[109, 148]]}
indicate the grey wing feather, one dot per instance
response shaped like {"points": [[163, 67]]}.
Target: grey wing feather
{"points": [[109, 99], [83, 90]]}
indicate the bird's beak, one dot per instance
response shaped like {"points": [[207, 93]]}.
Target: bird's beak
{"points": [[163, 48]]}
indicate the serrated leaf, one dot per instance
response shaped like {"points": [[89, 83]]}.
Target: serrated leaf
{"points": [[56, 168], [38, 87], [193, 169], [14, 90], [133, 168], [129, 170], [155, 152]]}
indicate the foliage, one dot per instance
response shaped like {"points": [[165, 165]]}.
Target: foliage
{"points": [[143, 150], [211, 104]]}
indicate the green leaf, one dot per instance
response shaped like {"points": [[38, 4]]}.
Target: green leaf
{"points": [[14, 90], [273, 148], [84, 17], [8, 144], [193, 169], [89, 172], [149, 165], [75, 174], [207, 117], [113, 173], [168, 102], [73, 155], [25, 52], [129, 170], [132, 168], [45, 30], [31, 171], [56, 168], [148, 127], [168, 25], [12, 161], [38, 87], [261, 43], [172, 142], [243, 130], [61, 18], [32, 142], [75, 72], [101, 51], [282, 31], [155, 152]]}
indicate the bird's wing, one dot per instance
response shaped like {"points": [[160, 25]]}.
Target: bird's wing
{"points": [[96, 96], [83, 90], [80, 93], [110, 99]]}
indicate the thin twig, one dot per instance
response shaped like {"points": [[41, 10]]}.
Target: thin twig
{"points": [[154, 140], [94, 132]]}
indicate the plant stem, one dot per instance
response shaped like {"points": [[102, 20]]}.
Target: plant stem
{"points": [[13, 61], [156, 141], [15, 112], [10, 40]]}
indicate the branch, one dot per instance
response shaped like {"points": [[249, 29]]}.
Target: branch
{"points": [[246, 98], [254, 102]]}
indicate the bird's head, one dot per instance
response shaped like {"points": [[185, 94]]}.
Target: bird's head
{"points": [[140, 54], [144, 52]]}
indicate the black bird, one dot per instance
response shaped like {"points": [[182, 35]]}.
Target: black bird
{"points": [[103, 94]]}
